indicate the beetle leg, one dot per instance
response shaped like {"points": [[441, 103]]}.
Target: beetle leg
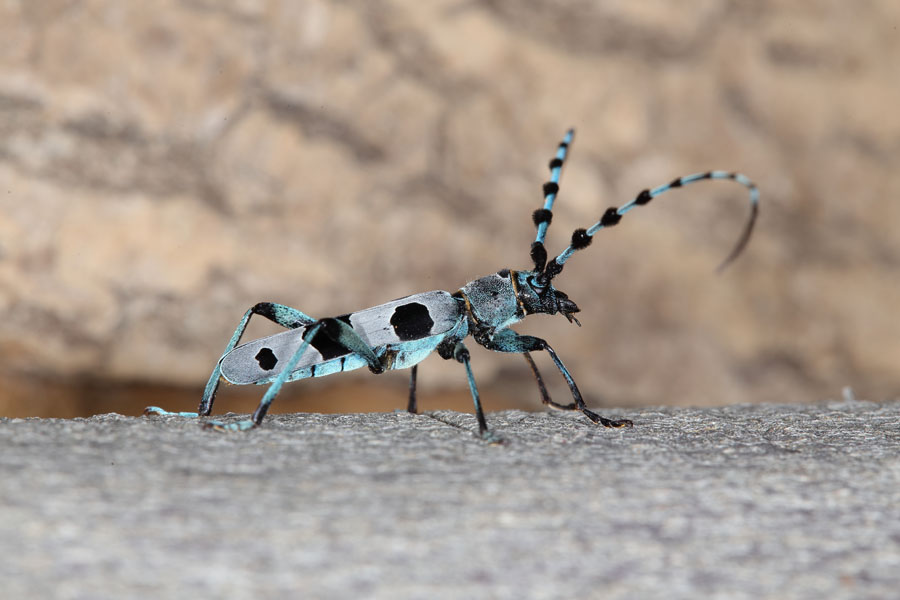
{"points": [[412, 407], [287, 317], [261, 410], [461, 354], [507, 340], [545, 395]]}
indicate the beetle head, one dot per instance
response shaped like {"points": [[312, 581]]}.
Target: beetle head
{"points": [[539, 296]]}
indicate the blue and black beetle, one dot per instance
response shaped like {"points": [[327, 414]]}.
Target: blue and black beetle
{"points": [[401, 333]]}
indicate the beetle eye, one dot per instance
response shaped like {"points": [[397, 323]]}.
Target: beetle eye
{"points": [[534, 283]]}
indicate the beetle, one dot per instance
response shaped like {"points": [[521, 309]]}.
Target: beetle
{"points": [[401, 333]]}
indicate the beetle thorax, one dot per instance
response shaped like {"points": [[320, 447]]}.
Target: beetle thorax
{"points": [[493, 301]]}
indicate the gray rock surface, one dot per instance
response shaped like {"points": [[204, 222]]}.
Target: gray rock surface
{"points": [[741, 502]]}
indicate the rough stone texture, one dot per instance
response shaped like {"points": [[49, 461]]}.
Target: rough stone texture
{"points": [[165, 165], [752, 501]]}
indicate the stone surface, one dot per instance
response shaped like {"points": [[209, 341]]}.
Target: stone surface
{"points": [[752, 501], [164, 166]]}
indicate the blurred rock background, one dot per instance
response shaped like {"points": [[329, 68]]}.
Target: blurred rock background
{"points": [[165, 165]]}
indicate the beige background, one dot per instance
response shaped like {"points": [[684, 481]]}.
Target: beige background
{"points": [[164, 165]]}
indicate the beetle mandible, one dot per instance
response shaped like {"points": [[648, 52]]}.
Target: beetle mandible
{"points": [[401, 333]]}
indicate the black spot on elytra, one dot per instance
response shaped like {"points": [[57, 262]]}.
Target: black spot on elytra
{"points": [[326, 346], [266, 359], [411, 321]]}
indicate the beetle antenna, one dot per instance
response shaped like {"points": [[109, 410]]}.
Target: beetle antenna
{"points": [[581, 238], [543, 216]]}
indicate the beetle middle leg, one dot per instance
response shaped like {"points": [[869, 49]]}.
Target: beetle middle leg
{"points": [[412, 406], [461, 355], [507, 340]]}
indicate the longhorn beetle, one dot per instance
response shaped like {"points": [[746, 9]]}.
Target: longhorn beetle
{"points": [[401, 333]]}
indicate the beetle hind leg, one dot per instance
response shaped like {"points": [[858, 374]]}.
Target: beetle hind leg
{"points": [[260, 413], [338, 332], [287, 317]]}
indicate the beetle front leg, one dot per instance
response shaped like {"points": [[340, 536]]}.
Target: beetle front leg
{"points": [[507, 340], [545, 395]]}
